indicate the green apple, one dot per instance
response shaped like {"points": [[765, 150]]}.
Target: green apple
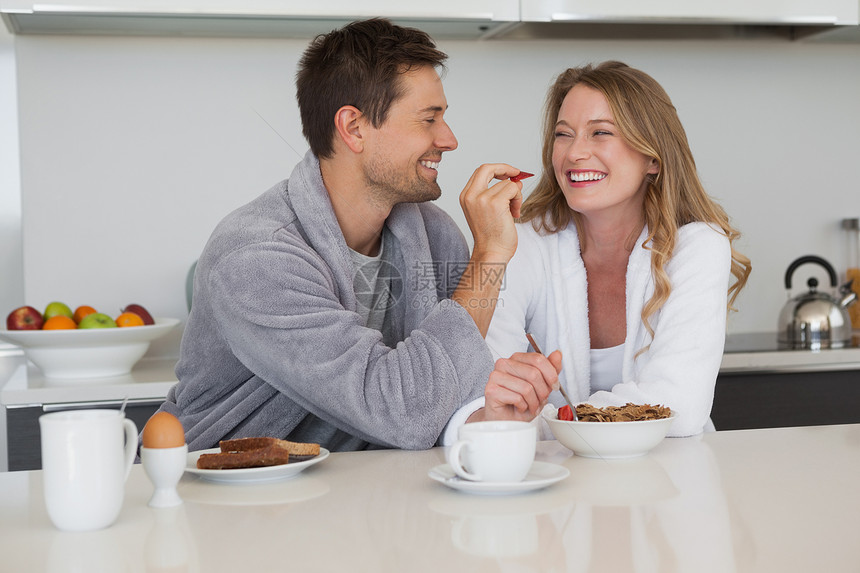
{"points": [[57, 309], [97, 320]]}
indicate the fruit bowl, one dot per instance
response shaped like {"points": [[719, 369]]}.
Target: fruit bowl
{"points": [[608, 440], [87, 353]]}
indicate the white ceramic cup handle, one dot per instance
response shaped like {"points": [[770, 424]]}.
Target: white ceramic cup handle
{"points": [[454, 461], [130, 444]]}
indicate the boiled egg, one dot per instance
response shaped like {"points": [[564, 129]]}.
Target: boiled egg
{"points": [[163, 430]]}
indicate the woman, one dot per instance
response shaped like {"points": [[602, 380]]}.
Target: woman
{"points": [[623, 261]]}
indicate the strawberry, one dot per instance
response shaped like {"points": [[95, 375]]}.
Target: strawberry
{"points": [[565, 413], [521, 175]]}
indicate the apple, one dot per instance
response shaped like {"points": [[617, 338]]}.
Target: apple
{"points": [[56, 309], [141, 312], [25, 318], [97, 320]]}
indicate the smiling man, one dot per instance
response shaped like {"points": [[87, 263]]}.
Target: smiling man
{"points": [[340, 307]]}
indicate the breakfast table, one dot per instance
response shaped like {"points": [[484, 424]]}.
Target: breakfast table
{"points": [[766, 500]]}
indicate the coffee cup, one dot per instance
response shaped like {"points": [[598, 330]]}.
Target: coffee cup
{"points": [[86, 458], [496, 451]]}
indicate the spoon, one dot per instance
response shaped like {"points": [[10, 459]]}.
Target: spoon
{"points": [[560, 386]]}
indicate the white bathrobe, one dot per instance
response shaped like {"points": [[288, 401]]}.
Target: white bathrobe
{"points": [[545, 293]]}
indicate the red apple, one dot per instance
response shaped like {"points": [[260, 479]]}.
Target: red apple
{"points": [[24, 318], [141, 312]]}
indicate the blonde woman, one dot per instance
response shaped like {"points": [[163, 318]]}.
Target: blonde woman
{"points": [[624, 263]]}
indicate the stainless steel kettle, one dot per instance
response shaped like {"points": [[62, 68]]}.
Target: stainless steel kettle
{"points": [[815, 320]]}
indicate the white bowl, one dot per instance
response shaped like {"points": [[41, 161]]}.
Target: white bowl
{"points": [[608, 440], [88, 353]]}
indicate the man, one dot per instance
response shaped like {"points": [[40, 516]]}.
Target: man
{"points": [[330, 309]]}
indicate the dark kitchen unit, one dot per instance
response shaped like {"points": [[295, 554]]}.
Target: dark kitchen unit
{"points": [[25, 394], [763, 384]]}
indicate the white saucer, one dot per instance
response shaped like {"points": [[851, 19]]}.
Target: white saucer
{"points": [[250, 475], [541, 475]]}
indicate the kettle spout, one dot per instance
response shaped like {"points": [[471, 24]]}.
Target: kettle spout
{"points": [[849, 297]]}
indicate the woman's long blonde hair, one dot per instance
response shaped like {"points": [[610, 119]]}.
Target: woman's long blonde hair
{"points": [[646, 118]]}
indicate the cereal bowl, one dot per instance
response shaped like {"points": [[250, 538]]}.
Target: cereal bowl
{"points": [[89, 353], [608, 440]]}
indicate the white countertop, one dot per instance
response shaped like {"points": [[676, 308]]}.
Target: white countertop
{"points": [[791, 360], [758, 352], [21, 383], [727, 502]]}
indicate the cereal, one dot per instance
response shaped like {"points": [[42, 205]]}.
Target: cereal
{"points": [[627, 413]]}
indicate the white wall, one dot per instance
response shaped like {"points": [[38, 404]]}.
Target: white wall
{"points": [[12, 281], [133, 148], [11, 278]]}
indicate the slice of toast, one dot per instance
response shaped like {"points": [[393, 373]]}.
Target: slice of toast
{"points": [[256, 452], [271, 455], [245, 444]]}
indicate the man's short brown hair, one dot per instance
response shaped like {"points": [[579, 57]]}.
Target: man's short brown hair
{"points": [[359, 65]]}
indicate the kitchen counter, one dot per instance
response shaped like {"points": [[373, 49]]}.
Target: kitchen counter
{"points": [[25, 394], [759, 386], [726, 502], [21, 383], [760, 352]]}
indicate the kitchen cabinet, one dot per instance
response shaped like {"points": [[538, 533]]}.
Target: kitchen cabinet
{"points": [[806, 20], [444, 19], [777, 12], [256, 18], [22, 422], [25, 394], [763, 386], [781, 399]]}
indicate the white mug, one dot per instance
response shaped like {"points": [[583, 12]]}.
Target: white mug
{"points": [[501, 451], [86, 458]]}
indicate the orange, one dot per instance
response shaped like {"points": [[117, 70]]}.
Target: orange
{"points": [[82, 311], [129, 319], [59, 322]]}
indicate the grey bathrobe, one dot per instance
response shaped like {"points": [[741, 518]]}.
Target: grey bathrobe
{"points": [[274, 346]]}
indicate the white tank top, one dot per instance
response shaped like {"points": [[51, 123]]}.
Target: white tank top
{"points": [[606, 366]]}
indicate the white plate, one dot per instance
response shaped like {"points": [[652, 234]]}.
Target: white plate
{"points": [[541, 475], [250, 475]]}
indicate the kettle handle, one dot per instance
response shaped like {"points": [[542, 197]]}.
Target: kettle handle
{"points": [[809, 259]]}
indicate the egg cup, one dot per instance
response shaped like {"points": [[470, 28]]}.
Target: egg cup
{"points": [[165, 467]]}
